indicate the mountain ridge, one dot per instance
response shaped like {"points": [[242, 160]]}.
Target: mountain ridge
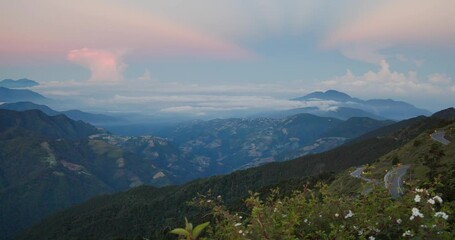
{"points": [[17, 95], [93, 118], [148, 212], [19, 83], [386, 108]]}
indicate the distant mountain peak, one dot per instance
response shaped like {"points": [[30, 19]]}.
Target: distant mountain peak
{"points": [[327, 95], [20, 83], [384, 108]]}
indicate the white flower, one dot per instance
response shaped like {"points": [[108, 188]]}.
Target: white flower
{"points": [[284, 215], [419, 190], [415, 213], [240, 217], [442, 214], [407, 233], [337, 215], [240, 231], [431, 201], [350, 214], [209, 201], [371, 238], [360, 232], [417, 198], [438, 198], [399, 221], [237, 224], [305, 220]]}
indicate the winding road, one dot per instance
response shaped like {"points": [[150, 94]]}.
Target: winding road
{"points": [[393, 180], [358, 174], [439, 136]]}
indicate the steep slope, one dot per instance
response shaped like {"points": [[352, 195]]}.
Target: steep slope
{"points": [[176, 165], [423, 158], [25, 106], [35, 122], [356, 126], [448, 114], [151, 212], [49, 162]]}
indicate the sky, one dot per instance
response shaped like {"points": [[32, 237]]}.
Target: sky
{"points": [[208, 56]]}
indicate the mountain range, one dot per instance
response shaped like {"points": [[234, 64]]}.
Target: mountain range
{"points": [[344, 106], [17, 95], [20, 83], [224, 145], [92, 118], [151, 212], [48, 163], [51, 162]]}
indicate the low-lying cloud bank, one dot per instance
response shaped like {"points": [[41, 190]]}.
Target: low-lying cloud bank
{"points": [[149, 95]]}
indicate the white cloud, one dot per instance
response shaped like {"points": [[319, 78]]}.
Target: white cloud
{"points": [[388, 83], [439, 78], [203, 104]]}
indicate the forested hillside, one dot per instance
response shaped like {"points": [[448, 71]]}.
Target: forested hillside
{"points": [[148, 211]]}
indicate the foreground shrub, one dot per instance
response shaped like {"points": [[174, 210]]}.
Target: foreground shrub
{"points": [[319, 214]]}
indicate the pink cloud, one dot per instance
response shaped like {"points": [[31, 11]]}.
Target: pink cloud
{"points": [[104, 66], [51, 28]]}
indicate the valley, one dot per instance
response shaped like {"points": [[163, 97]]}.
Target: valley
{"points": [[52, 160], [376, 150]]}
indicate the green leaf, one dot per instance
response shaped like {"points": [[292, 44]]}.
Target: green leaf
{"points": [[180, 231], [198, 229], [188, 225]]}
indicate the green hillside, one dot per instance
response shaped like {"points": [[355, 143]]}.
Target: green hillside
{"points": [[147, 211], [49, 163], [427, 158]]}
